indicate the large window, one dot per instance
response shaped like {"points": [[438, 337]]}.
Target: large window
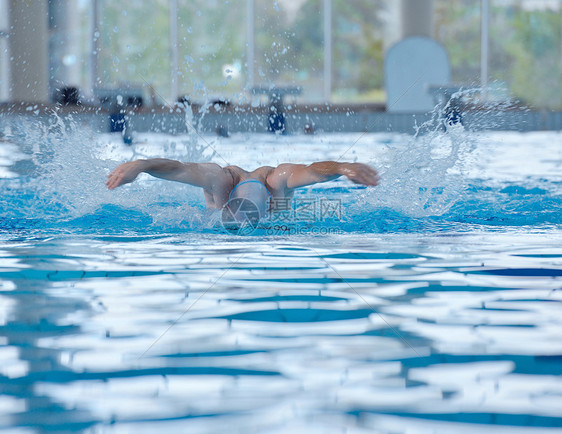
{"points": [[223, 51], [4, 53], [332, 49], [134, 45], [289, 45], [358, 50], [525, 48]]}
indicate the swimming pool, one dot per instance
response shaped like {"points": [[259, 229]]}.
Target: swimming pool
{"points": [[428, 304]]}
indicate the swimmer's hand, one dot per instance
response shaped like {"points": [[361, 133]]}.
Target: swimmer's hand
{"points": [[124, 174], [359, 173]]}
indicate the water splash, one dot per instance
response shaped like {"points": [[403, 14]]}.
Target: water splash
{"points": [[440, 179], [63, 177], [423, 175]]}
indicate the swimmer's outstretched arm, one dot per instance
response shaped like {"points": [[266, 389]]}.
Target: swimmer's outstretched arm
{"points": [[291, 176], [205, 175]]}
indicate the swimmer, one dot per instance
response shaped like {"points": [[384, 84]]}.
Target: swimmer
{"points": [[264, 186]]}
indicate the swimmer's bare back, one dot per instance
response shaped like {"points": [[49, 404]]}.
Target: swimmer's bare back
{"points": [[217, 182]]}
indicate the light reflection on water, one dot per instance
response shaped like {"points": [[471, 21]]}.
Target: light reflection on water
{"points": [[372, 333], [435, 308]]}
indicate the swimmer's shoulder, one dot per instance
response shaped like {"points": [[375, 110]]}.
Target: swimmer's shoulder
{"points": [[261, 173], [280, 175], [238, 174]]}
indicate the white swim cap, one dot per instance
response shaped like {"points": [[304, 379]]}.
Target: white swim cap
{"points": [[253, 191], [247, 204]]}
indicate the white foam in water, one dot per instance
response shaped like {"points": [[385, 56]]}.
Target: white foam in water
{"points": [[9, 154], [356, 332], [70, 163], [421, 176], [425, 174]]}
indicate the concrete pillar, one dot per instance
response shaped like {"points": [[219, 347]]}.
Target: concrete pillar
{"points": [[4, 52], [174, 50], [29, 48], [94, 78], [392, 23], [328, 50], [64, 44], [250, 44], [416, 18], [484, 42]]}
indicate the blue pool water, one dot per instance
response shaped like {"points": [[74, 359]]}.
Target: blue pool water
{"points": [[428, 304]]}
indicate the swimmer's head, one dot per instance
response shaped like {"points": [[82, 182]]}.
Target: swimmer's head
{"points": [[248, 203], [254, 191]]}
